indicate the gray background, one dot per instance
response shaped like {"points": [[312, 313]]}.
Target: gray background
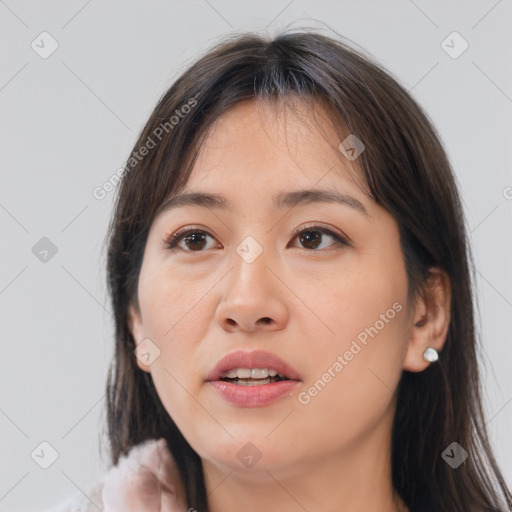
{"points": [[68, 123]]}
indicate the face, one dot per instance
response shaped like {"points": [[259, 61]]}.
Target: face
{"points": [[319, 284]]}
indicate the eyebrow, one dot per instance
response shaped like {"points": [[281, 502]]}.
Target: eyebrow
{"points": [[280, 201]]}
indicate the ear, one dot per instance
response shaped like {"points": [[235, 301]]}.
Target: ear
{"points": [[430, 320], [138, 333]]}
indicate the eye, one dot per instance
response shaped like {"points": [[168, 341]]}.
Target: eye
{"points": [[195, 240], [311, 237]]}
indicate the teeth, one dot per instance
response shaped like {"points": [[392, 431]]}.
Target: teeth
{"points": [[259, 373], [258, 382], [251, 373], [243, 373]]}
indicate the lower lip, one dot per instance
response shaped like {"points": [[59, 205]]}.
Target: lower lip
{"points": [[253, 396]]}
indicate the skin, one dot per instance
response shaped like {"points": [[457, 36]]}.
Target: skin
{"points": [[332, 453]]}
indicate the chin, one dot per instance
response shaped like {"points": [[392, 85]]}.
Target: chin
{"points": [[252, 455]]}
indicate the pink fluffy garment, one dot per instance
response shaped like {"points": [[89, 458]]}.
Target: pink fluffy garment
{"points": [[146, 480]]}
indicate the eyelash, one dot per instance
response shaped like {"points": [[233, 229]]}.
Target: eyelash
{"points": [[172, 240]]}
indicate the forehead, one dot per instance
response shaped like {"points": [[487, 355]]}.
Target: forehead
{"points": [[275, 146]]}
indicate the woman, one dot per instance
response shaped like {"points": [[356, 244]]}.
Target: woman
{"points": [[290, 278]]}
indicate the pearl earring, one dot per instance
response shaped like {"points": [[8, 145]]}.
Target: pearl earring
{"points": [[430, 355]]}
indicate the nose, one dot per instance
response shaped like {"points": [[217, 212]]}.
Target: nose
{"points": [[253, 298]]}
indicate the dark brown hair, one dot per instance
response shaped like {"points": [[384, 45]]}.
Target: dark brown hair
{"points": [[405, 170]]}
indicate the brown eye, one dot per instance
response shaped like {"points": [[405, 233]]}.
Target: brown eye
{"points": [[312, 237], [193, 239]]}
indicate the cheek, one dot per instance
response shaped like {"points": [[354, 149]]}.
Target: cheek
{"points": [[370, 289], [176, 319], [170, 302], [355, 371], [352, 382]]}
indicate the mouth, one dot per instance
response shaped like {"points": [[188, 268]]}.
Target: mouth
{"points": [[253, 379], [252, 369], [252, 376]]}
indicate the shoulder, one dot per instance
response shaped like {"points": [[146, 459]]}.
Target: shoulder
{"points": [[132, 483]]}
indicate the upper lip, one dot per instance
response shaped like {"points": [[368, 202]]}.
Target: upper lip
{"points": [[254, 359]]}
